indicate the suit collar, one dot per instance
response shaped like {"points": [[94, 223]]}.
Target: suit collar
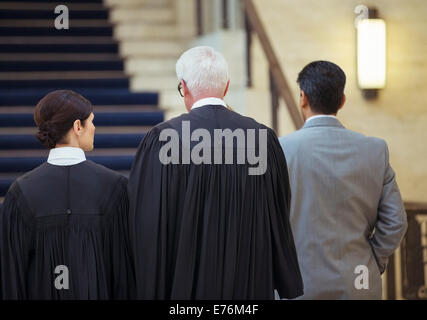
{"points": [[323, 122]]}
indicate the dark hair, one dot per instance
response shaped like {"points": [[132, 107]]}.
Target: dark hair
{"points": [[323, 83], [55, 115]]}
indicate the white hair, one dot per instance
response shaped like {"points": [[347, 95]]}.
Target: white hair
{"points": [[204, 70]]}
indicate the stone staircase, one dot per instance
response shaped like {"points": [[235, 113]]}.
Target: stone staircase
{"points": [[152, 35]]}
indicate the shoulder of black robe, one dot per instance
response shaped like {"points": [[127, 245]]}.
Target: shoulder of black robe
{"points": [[211, 231], [93, 240]]}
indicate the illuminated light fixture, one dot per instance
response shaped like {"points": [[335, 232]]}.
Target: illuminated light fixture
{"points": [[371, 54]]}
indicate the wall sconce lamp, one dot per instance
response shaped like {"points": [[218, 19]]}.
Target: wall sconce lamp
{"points": [[371, 51]]}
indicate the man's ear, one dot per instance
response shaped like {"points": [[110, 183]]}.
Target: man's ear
{"points": [[343, 101], [226, 88], [185, 90], [303, 99]]}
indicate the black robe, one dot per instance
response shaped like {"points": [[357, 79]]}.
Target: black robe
{"points": [[211, 231], [73, 216]]}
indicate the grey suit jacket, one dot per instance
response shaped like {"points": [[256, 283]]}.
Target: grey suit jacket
{"points": [[346, 209]]}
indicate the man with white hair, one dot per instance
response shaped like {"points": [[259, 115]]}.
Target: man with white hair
{"points": [[209, 199]]}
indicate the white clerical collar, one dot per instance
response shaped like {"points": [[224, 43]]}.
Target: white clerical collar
{"points": [[208, 102], [320, 116], [66, 156]]}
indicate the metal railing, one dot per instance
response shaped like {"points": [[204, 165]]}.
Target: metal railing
{"points": [[413, 257]]}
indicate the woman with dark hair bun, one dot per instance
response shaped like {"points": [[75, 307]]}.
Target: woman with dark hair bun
{"points": [[63, 226], [60, 111]]}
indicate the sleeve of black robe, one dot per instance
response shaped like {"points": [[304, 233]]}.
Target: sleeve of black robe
{"points": [[144, 218], [287, 275], [14, 243], [121, 260]]}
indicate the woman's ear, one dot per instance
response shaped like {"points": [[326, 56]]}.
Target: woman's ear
{"points": [[77, 127]]}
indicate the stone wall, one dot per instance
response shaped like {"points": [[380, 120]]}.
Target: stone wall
{"points": [[303, 31]]}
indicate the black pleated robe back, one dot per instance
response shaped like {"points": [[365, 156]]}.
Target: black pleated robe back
{"points": [[73, 216], [211, 231]]}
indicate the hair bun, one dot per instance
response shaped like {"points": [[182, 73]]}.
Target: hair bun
{"points": [[47, 135]]}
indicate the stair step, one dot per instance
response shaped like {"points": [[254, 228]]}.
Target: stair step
{"points": [[18, 23], [138, 3], [72, 84], [101, 130], [31, 66], [152, 48], [72, 5], [62, 75], [49, 13], [119, 96], [149, 66], [144, 82], [57, 1], [52, 57], [60, 47], [48, 31], [141, 30], [162, 14], [10, 175], [4, 110], [56, 40], [102, 140], [118, 118]]}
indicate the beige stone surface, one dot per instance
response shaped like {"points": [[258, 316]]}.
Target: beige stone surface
{"points": [[303, 31], [152, 34]]}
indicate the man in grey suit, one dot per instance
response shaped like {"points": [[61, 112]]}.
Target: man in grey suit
{"points": [[347, 213]]}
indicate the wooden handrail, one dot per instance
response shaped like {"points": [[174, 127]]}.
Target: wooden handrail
{"points": [[279, 85]]}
